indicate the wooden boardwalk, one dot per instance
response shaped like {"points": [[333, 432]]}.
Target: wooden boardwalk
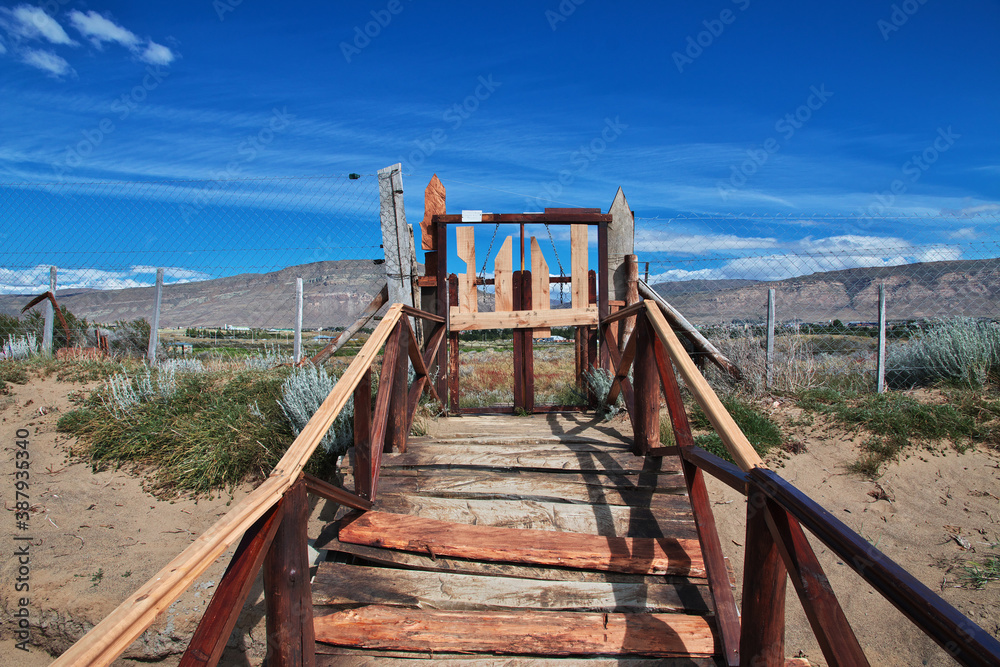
{"points": [[537, 539]]}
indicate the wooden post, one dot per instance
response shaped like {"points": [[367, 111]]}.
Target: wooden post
{"points": [[49, 315], [518, 344], [287, 594], [443, 309], [762, 638], [646, 389], [154, 328], [881, 338], [527, 346], [592, 333], [631, 295], [603, 308], [453, 361], [397, 236], [363, 436], [621, 242], [297, 345], [769, 362], [396, 429]]}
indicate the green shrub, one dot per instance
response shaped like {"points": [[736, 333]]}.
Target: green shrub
{"points": [[302, 393], [961, 350], [762, 433], [599, 380]]}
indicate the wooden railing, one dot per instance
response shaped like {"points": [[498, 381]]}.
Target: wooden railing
{"points": [[776, 544], [271, 521]]}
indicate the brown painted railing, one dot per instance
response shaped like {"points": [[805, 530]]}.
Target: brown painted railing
{"points": [[776, 546], [271, 521]]}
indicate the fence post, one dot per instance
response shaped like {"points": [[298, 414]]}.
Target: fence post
{"points": [[762, 636], [297, 345], [154, 328], [770, 337], [49, 314], [881, 339]]}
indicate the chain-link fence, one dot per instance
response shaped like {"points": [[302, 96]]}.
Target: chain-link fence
{"points": [[826, 273], [230, 251]]}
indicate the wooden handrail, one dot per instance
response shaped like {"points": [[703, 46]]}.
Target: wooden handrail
{"points": [[736, 443], [109, 638]]}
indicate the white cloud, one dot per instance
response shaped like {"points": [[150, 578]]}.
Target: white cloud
{"points": [[656, 240], [98, 29], [47, 61], [29, 22], [966, 233], [157, 54], [36, 279]]}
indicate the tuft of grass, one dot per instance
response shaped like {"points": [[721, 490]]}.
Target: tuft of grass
{"points": [[762, 433], [11, 371], [977, 575]]}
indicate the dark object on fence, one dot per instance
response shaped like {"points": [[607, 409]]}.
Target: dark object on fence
{"points": [[51, 297]]}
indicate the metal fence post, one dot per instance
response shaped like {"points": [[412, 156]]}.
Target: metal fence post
{"points": [[770, 338], [154, 328], [49, 314], [297, 349], [881, 339]]}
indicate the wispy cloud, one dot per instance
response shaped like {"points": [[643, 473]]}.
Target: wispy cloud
{"points": [[101, 30], [36, 279], [47, 61], [27, 22]]}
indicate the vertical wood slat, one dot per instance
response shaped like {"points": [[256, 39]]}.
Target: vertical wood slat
{"points": [[287, 594], [602, 281], [518, 293], [363, 436], [527, 348], [443, 309], [465, 247], [540, 286], [217, 623], [503, 268], [590, 360], [578, 265], [762, 636], [646, 432], [397, 427], [383, 404], [631, 295], [726, 613], [830, 626], [453, 361]]}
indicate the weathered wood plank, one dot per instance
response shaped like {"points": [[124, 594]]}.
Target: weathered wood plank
{"points": [[535, 547], [540, 299], [503, 268], [461, 320], [465, 247], [519, 632], [564, 517], [554, 460], [338, 584], [361, 554], [434, 204], [669, 496], [578, 265], [339, 656]]}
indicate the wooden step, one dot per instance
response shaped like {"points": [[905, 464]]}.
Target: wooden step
{"points": [[518, 632], [532, 547], [526, 458], [337, 584], [337, 656]]}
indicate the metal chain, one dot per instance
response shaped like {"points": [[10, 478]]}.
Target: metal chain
{"points": [[562, 274], [482, 271]]}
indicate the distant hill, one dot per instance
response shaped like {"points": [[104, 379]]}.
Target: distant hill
{"points": [[931, 289], [333, 294]]}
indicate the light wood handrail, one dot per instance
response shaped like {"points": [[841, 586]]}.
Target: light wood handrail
{"points": [[109, 638], [736, 443]]}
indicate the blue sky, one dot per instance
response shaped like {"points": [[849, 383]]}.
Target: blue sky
{"points": [[808, 114]]}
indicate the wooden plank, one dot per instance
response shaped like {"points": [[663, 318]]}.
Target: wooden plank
{"points": [[523, 319], [434, 204], [556, 218], [398, 426], [578, 266], [527, 343], [443, 307], [397, 236], [453, 359], [539, 515], [540, 299], [519, 632], [370, 311], [518, 340], [762, 634], [830, 626], [621, 235], [646, 420], [736, 442], [631, 292], [361, 554], [503, 268], [465, 248], [534, 547], [217, 623], [338, 584], [363, 436], [556, 461], [603, 297], [318, 487], [338, 656], [383, 406], [287, 598]]}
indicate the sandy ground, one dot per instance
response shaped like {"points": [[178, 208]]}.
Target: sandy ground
{"points": [[97, 537]]}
